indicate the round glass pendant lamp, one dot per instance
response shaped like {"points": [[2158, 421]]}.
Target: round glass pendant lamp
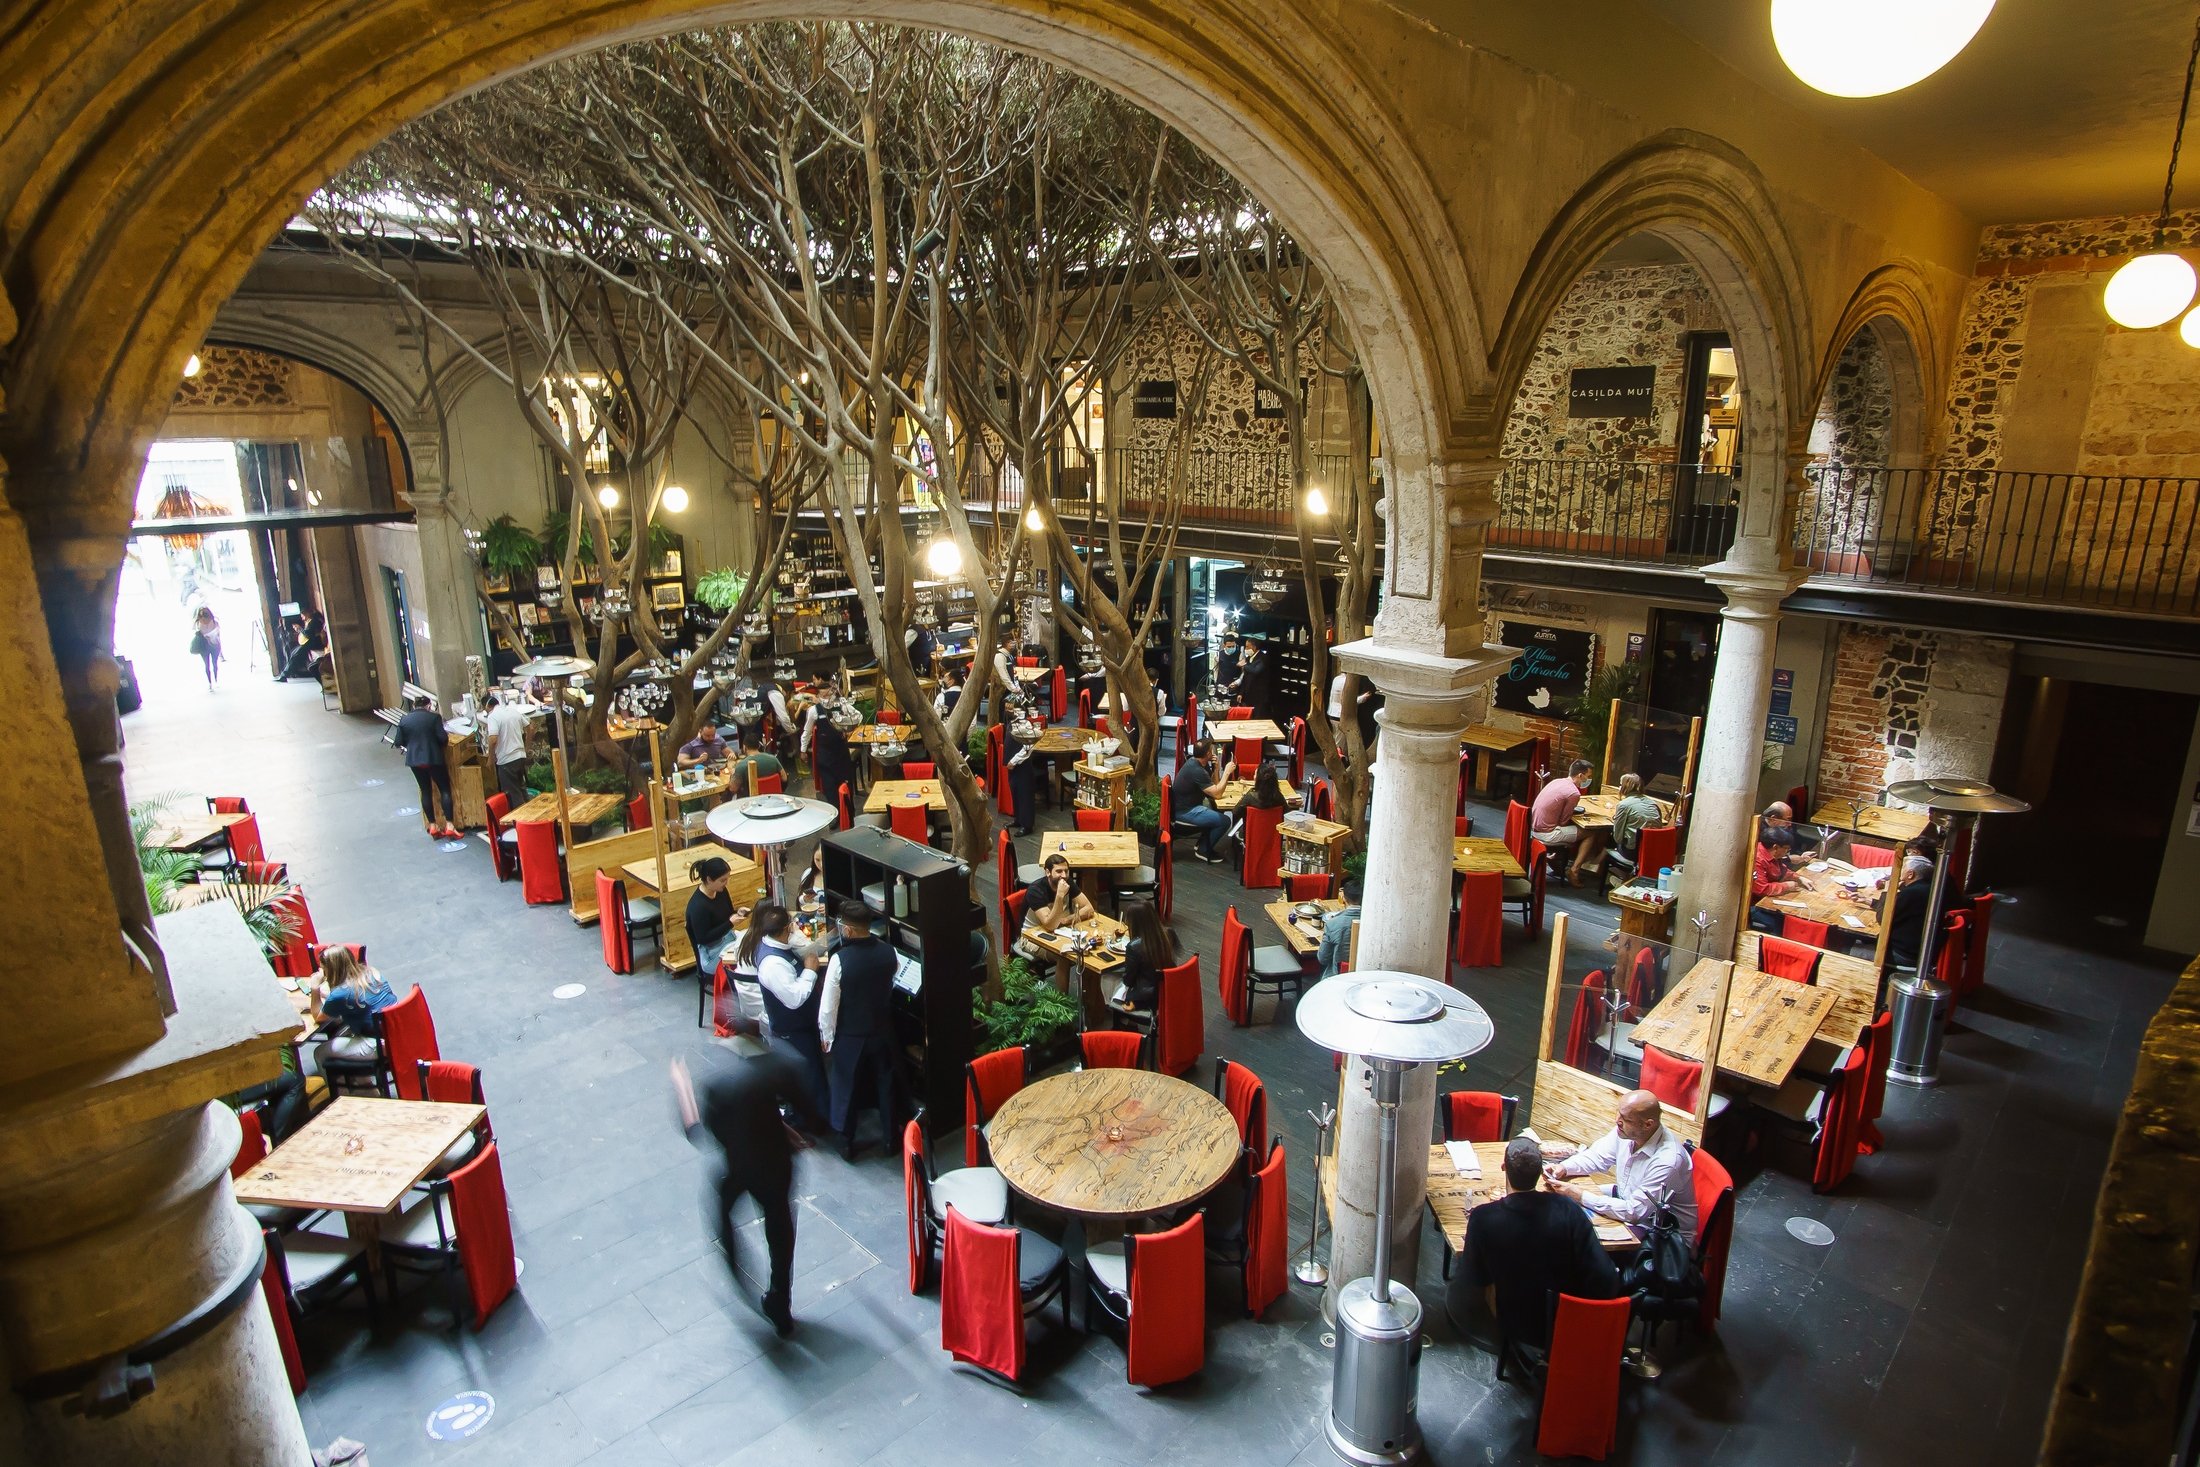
{"points": [[944, 558], [2149, 290], [1868, 48], [607, 495], [674, 499], [2189, 328]]}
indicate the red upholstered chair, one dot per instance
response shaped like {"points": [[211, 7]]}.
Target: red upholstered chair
{"points": [[1784, 959], [259, 873], [637, 812], [618, 921], [1321, 800], [244, 840], [1642, 986], [847, 811], [1982, 918], [988, 1081], [228, 805], [1093, 819], [275, 1294], [1298, 751], [1840, 1122], [1714, 1188], [1656, 847], [1027, 662], [1580, 1412], [771, 784], [251, 1143], [1673, 1080], [1517, 830], [463, 1223], [1239, 711], [541, 873], [920, 769], [1951, 963], [1803, 930], [1012, 918], [1179, 1019], [976, 1192], [891, 717], [996, 766], [1154, 1287], [408, 1036], [1527, 892], [1587, 1019], [1235, 970], [503, 840], [911, 820], [1478, 1115], [1870, 858], [1267, 1233], [990, 1278], [1246, 754], [1263, 842], [1113, 1049], [1878, 1048], [1084, 708], [1461, 825], [1061, 694], [1306, 886], [294, 959], [1239, 1089], [449, 1082], [1481, 925]]}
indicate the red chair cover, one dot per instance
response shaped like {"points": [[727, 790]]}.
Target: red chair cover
{"points": [[500, 856], [484, 1226], [1180, 1019], [1587, 1019], [1670, 1078], [1246, 754], [996, 747], [1061, 694], [1516, 831], [1581, 1391], [981, 1309], [920, 769], [1803, 930], [1870, 858], [1012, 918], [1474, 1115], [1642, 983], [1027, 662], [891, 717], [1982, 918], [275, 1291], [244, 840], [1714, 1188], [1113, 1049], [1321, 803], [771, 784], [1950, 963], [1798, 801], [1084, 708], [1481, 941], [990, 1080], [1307, 886], [228, 804], [1235, 968], [408, 1035], [1247, 1101], [911, 820], [1263, 847], [453, 1082], [1656, 847], [1004, 862], [251, 1143], [1168, 1303], [1840, 1123], [913, 1203], [847, 812], [1298, 751], [261, 873], [611, 923], [1093, 819], [1878, 1047], [1239, 710], [541, 879], [295, 958], [1267, 1229], [1784, 959], [637, 812]]}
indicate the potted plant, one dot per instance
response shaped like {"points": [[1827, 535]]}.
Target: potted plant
{"points": [[1146, 813], [1030, 1012], [540, 777], [601, 780], [1591, 713]]}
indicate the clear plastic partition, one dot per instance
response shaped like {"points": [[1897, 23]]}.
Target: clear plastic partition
{"points": [[1836, 895], [1657, 743]]}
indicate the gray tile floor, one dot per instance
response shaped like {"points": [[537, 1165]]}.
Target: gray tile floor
{"points": [[1930, 1329]]}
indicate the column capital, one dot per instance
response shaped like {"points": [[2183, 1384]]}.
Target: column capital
{"points": [[1415, 675], [1753, 581]]}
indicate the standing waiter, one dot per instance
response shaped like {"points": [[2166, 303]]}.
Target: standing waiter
{"points": [[739, 1107], [855, 1023]]}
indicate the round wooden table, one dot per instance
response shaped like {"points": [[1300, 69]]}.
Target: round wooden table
{"points": [[1113, 1143]]}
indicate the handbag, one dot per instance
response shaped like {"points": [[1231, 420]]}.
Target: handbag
{"points": [[1662, 1278]]}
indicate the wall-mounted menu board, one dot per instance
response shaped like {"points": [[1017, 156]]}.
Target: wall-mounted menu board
{"points": [[1551, 671]]}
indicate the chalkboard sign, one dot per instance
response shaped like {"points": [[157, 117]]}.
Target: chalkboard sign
{"points": [[1155, 398], [1551, 671], [1610, 392]]}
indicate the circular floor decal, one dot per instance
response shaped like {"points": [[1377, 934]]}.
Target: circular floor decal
{"points": [[461, 1416], [1810, 1230], [569, 990], [451, 845], [519, 1267], [370, 784]]}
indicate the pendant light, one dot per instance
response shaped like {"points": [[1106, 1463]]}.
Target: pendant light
{"points": [[2152, 288], [1868, 48]]}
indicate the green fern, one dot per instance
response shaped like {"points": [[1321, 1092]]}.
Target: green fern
{"points": [[509, 547], [1029, 1012], [721, 589]]}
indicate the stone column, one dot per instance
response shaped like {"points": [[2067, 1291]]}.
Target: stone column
{"points": [[1425, 658], [1715, 871], [447, 597]]}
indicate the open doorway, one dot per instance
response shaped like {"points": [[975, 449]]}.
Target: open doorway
{"points": [[167, 579], [1709, 447]]}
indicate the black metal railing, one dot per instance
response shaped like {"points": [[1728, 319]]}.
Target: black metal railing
{"points": [[1239, 487], [2119, 542], [1614, 509]]}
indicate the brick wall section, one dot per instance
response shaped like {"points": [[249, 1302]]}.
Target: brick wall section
{"points": [[1904, 703]]}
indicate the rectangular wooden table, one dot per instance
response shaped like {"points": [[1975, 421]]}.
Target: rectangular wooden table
{"points": [[1471, 853], [1032, 674], [879, 733], [1769, 1021], [1595, 812], [361, 1155], [1488, 741], [887, 793], [1303, 934], [1824, 899], [196, 828], [579, 808], [1093, 964], [1451, 1196], [1234, 793], [1090, 852], [675, 954], [1879, 822], [1229, 729]]}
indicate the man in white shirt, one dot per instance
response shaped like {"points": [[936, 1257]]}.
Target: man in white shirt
{"points": [[1649, 1166], [506, 727]]}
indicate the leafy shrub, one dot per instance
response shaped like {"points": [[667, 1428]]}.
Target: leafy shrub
{"points": [[1030, 1011]]}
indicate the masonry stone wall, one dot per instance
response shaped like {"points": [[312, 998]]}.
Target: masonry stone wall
{"points": [[1905, 703]]}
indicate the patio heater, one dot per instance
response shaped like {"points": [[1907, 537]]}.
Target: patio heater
{"points": [[1396, 1021], [556, 671], [1919, 1001]]}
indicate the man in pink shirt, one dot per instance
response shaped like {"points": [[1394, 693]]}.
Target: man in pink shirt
{"points": [[1552, 818]]}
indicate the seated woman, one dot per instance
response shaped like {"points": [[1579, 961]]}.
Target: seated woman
{"points": [[346, 997], [1149, 952], [1768, 877], [1267, 794]]}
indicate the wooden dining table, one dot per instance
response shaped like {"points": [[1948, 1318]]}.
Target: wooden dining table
{"points": [[1880, 822], [1091, 965], [1303, 934], [1233, 794], [675, 954], [1595, 812], [887, 793], [1823, 898], [1112, 1143], [1473, 853], [1488, 742], [1452, 1194], [1229, 730], [192, 829], [1091, 852], [1769, 1021], [581, 809], [359, 1156], [1032, 674]]}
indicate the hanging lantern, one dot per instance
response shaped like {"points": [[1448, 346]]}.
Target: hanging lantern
{"points": [[1868, 48], [2149, 290]]}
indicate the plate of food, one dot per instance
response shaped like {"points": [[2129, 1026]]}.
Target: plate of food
{"points": [[1307, 909]]}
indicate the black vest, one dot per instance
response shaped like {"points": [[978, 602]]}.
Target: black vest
{"points": [[788, 1023], [866, 988]]}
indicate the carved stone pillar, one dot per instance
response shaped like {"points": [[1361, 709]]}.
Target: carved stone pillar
{"points": [[448, 597]]}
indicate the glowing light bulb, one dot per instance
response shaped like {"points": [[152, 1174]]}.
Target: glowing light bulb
{"points": [[944, 558], [607, 495], [191, 367], [1033, 522], [1316, 501], [1868, 48], [2189, 328], [2148, 290], [674, 499]]}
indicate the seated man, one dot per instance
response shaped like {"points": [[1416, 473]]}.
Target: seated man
{"points": [[1776, 828], [1524, 1250], [1054, 900], [1649, 1166], [762, 762], [1189, 789], [1906, 927], [1634, 810], [1336, 943], [1552, 816], [705, 748]]}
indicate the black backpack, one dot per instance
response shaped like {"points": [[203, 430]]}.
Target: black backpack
{"points": [[1662, 1278]]}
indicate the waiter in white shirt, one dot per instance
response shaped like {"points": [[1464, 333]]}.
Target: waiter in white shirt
{"points": [[506, 727], [1649, 1165]]}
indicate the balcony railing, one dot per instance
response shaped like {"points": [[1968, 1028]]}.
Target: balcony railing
{"points": [[1240, 487], [2085, 540], [1614, 510]]}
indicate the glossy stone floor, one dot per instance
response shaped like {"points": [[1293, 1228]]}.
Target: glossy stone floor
{"points": [[1929, 1331]]}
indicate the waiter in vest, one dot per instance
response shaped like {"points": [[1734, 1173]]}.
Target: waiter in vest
{"points": [[855, 1023], [790, 990]]}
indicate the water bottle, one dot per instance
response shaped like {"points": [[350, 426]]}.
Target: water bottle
{"points": [[1665, 878]]}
